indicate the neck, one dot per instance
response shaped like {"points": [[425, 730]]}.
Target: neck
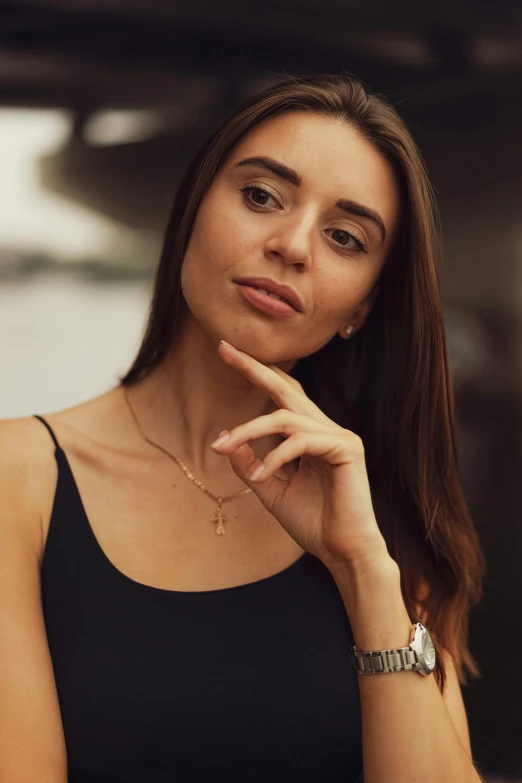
{"points": [[186, 401]]}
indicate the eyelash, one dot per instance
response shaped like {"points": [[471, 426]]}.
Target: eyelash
{"points": [[361, 246]]}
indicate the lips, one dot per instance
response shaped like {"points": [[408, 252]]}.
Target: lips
{"points": [[272, 286], [267, 303]]}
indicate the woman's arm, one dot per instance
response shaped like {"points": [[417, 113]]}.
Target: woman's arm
{"points": [[410, 732], [32, 746]]}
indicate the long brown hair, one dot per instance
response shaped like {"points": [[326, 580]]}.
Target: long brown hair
{"points": [[389, 383]]}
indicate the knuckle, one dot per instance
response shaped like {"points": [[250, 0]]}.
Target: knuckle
{"points": [[282, 419], [295, 384], [355, 442]]}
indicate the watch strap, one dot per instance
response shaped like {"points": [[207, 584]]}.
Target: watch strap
{"points": [[384, 661]]}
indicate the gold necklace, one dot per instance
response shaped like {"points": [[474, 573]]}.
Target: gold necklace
{"points": [[218, 518]]}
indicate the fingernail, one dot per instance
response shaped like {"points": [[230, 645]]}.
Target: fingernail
{"points": [[257, 472], [223, 436], [224, 342]]}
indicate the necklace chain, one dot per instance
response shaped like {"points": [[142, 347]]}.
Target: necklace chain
{"points": [[217, 517]]}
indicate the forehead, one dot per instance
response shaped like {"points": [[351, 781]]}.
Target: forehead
{"points": [[333, 158]]}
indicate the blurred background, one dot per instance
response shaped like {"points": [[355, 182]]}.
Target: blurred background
{"points": [[102, 104]]}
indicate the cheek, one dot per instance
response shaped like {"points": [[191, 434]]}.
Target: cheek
{"points": [[331, 292], [221, 238], [213, 248], [336, 294]]}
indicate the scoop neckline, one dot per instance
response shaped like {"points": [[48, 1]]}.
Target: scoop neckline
{"points": [[165, 590]]}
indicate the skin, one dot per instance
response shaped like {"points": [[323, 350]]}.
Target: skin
{"points": [[293, 235]]}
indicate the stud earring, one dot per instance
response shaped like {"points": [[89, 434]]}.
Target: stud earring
{"points": [[348, 330]]}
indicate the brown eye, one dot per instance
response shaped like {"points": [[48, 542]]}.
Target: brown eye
{"points": [[343, 237], [347, 240], [256, 196]]}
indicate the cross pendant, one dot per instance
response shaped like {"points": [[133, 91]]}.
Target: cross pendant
{"points": [[219, 519]]}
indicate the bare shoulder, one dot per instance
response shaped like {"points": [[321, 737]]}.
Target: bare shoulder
{"points": [[22, 441], [27, 476], [28, 468], [31, 742]]}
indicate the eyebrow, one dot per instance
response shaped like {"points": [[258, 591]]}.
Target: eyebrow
{"points": [[291, 175]]}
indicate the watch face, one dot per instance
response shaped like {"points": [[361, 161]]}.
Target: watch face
{"points": [[428, 651]]}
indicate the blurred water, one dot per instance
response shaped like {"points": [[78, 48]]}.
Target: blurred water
{"points": [[64, 340]]}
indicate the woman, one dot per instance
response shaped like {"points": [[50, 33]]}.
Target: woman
{"points": [[157, 650]]}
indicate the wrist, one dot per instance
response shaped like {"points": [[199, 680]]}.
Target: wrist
{"points": [[376, 564], [372, 595]]}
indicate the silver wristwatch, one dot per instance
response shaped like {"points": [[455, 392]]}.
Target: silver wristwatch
{"points": [[419, 656]]}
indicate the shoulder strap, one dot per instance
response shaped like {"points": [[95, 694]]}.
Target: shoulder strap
{"points": [[51, 433]]}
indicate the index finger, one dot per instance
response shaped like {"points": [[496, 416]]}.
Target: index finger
{"points": [[284, 390]]}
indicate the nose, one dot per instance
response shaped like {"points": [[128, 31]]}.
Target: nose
{"points": [[292, 239]]}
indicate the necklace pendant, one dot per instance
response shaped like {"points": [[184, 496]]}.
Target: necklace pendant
{"points": [[219, 519]]}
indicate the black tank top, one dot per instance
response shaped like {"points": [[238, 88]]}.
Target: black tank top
{"points": [[242, 684]]}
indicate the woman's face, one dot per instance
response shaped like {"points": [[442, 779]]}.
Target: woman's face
{"points": [[293, 232]]}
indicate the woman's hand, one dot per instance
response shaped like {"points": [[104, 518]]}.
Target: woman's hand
{"points": [[324, 504]]}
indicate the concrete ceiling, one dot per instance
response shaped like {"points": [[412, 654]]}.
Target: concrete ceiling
{"points": [[191, 63]]}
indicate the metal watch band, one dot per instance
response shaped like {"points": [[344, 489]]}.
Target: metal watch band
{"points": [[383, 661]]}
